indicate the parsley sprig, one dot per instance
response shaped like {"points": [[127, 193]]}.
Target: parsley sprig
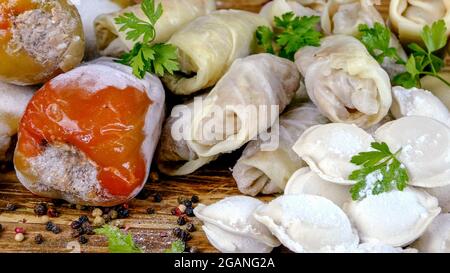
{"points": [[291, 33], [145, 57], [380, 172], [421, 62], [118, 242]]}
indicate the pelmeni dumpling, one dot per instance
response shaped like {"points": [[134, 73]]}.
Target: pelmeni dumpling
{"points": [[425, 149], [307, 223], [231, 227], [329, 148], [280, 7], [305, 181], [436, 238], [443, 196], [418, 102], [395, 218], [345, 82], [408, 17], [437, 87]]}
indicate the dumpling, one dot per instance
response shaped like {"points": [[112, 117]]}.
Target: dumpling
{"points": [[245, 103], [177, 13], [305, 181], [13, 101], [231, 226], [307, 223], [38, 40], [395, 218], [345, 82], [209, 45], [329, 148], [277, 8], [374, 248], [418, 102], [437, 87], [345, 18], [88, 136], [174, 155], [436, 238], [408, 17], [266, 170], [443, 196], [425, 149]]}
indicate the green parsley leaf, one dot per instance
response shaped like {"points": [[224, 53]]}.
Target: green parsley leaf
{"points": [[377, 41], [177, 247], [149, 10], [137, 28], [435, 37], [291, 34], [165, 59], [380, 172], [117, 241]]}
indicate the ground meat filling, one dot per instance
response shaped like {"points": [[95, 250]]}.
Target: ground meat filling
{"points": [[43, 35], [66, 169]]}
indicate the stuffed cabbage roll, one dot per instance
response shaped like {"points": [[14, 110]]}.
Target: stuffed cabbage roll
{"points": [[175, 157], [208, 46], [408, 17], [268, 171], [345, 82], [437, 87], [177, 13], [13, 101], [280, 7], [245, 102], [38, 40], [345, 18]]}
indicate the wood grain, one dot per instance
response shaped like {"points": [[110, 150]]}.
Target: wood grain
{"points": [[152, 232]]}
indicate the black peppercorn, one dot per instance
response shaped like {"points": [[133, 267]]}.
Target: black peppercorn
{"points": [[49, 226], [195, 199], [187, 203], [181, 221], [157, 198], [83, 219], [122, 213], [185, 236], [75, 224], [11, 207], [56, 229], [40, 209], [177, 232], [190, 212], [190, 227], [82, 239], [150, 211], [38, 239]]}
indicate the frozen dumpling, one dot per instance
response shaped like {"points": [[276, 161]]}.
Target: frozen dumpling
{"points": [[395, 218], [437, 87], [418, 102], [425, 149], [88, 136], [436, 238], [38, 40], [267, 170], [231, 226], [328, 149], [307, 223], [408, 17], [305, 181], [13, 101], [176, 14], [345, 82]]}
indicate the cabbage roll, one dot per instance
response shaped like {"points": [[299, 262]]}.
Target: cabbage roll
{"points": [[280, 7], [175, 157], [247, 101], [177, 13], [345, 82], [408, 17], [345, 19], [268, 171], [13, 101], [209, 45]]}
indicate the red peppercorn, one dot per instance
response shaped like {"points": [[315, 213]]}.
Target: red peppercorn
{"points": [[19, 230]]}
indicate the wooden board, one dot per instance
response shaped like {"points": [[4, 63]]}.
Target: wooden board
{"points": [[152, 232]]}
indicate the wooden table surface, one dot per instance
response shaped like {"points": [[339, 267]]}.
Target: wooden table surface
{"points": [[151, 232]]}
